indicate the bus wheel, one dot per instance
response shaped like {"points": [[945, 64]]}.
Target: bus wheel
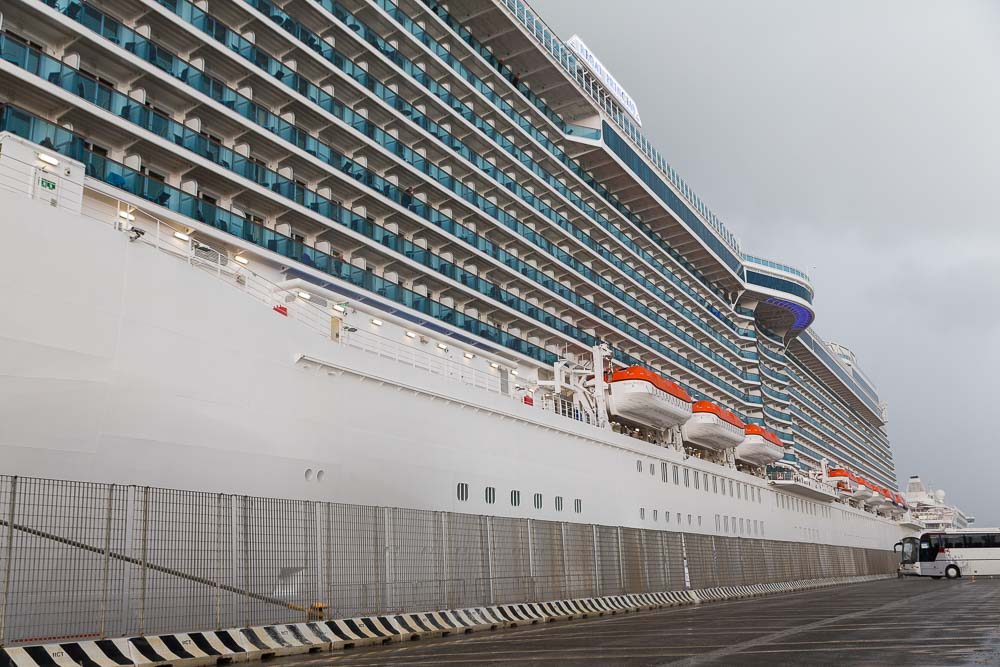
{"points": [[952, 572]]}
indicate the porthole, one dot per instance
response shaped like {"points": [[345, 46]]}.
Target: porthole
{"points": [[642, 513], [515, 498], [577, 505], [491, 495], [320, 475], [309, 474], [462, 491], [538, 501], [655, 517], [559, 503]]}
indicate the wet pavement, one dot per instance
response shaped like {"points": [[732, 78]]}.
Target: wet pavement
{"points": [[890, 622]]}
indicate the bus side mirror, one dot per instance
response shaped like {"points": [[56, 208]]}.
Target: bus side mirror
{"points": [[897, 546]]}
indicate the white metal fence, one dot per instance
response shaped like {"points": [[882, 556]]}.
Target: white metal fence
{"points": [[87, 560]]}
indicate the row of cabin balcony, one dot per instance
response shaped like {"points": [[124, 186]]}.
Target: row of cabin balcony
{"points": [[293, 62], [289, 117], [564, 211]]}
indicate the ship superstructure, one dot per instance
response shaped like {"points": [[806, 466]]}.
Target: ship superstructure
{"points": [[445, 196]]}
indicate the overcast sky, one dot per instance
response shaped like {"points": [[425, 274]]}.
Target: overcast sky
{"points": [[858, 141]]}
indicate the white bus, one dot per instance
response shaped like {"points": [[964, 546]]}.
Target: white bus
{"points": [[951, 553]]}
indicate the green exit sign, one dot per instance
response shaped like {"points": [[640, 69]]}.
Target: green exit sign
{"points": [[47, 184]]}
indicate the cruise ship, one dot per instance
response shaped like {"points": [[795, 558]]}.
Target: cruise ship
{"points": [[400, 254]]}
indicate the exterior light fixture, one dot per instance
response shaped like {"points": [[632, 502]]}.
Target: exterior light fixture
{"points": [[241, 259], [410, 334], [48, 159], [182, 236], [469, 355], [340, 309], [125, 215], [376, 322], [442, 346], [305, 295]]}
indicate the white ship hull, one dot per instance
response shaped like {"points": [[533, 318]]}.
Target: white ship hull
{"points": [[120, 363]]}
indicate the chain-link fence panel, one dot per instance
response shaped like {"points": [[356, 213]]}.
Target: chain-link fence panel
{"points": [[511, 560], [353, 557], [581, 560], [63, 559]]}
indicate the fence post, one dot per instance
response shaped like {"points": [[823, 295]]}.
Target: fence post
{"points": [[489, 557], [144, 551], [597, 563], [445, 583], [531, 563], [565, 561], [128, 547], [621, 562], [386, 583], [107, 562], [217, 561], [9, 548]]}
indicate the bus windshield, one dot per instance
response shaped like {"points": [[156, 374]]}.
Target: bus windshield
{"points": [[910, 551]]}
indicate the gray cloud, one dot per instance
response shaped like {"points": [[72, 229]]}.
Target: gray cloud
{"points": [[855, 140]]}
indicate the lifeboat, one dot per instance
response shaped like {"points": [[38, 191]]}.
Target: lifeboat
{"points": [[712, 427], [759, 446], [862, 492], [877, 499], [642, 397]]}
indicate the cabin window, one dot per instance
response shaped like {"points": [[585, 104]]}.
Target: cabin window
{"points": [[715, 484], [734, 524], [699, 519], [741, 525], [677, 473], [687, 482], [652, 468], [642, 513], [638, 466], [689, 519], [663, 471], [491, 495], [730, 488], [696, 480], [726, 523], [704, 481], [678, 518], [463, 491], [577, 505], [655, 513], [738, 496], [515, 498], [559, 504], [762, 529], [718, 523], [538, 501]]}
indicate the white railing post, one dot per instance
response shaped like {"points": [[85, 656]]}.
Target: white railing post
{"points": [[9, 549], [107, 562]]}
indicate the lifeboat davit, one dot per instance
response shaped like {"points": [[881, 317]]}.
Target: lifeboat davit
{"points": [[712, 427], [640, 396], [759, 446], [841, 479]]}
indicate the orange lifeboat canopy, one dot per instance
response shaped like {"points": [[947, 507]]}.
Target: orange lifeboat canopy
{"points": [[640, 373], [755, 429], [839, 472], [720, 412]]}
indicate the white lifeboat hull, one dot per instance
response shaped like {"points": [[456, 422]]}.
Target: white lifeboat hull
{"points": [[862, 493], [876, 500], [758, 451], [639, 402], [707, 430]]}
